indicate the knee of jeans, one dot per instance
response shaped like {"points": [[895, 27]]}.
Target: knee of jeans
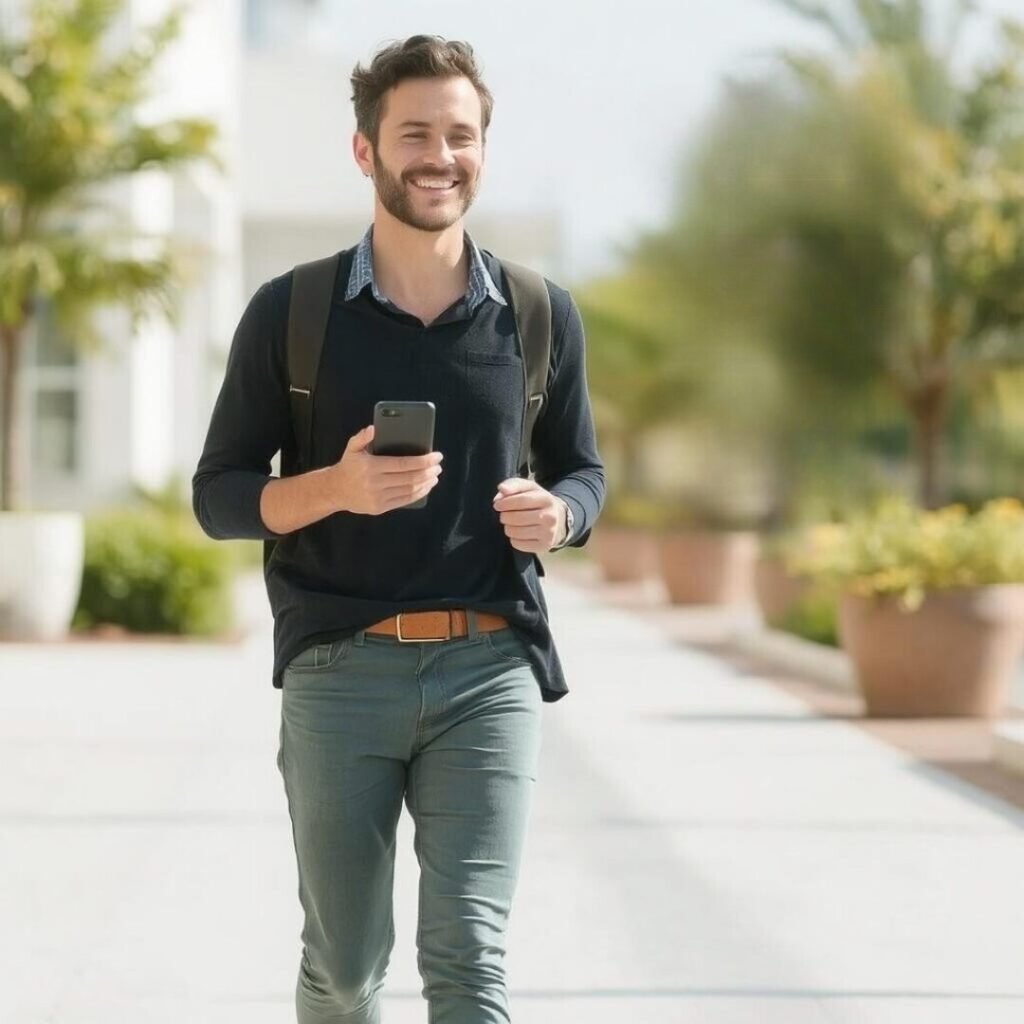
{"points": [[483, 984], [342, 988], [463, 963]]}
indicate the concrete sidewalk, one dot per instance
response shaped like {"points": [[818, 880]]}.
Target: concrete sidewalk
{"points": [[705, 847]]}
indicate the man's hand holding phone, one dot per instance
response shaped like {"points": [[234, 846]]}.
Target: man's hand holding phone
{"points": [[373, 484]]}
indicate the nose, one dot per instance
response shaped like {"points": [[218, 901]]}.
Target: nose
{"points": [[440, 153]]}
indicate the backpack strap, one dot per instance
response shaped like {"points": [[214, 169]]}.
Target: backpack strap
{"points": [[531, 305], [308, 312]]}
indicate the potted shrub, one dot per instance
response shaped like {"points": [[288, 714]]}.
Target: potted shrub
{"points": [[625, 538], [71, 120], [707, 553], [776, 588], [931, 604]]}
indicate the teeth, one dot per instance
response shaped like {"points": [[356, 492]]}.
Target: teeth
{"points": [[434, 184]]}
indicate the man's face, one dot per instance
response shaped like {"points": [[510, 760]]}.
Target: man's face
{"points": [[429, 135]]}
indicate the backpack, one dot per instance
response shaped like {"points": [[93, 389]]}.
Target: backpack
{"points": [[308, 312]]}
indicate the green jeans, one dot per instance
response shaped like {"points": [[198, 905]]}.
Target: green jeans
{"points": [[453, 728]]}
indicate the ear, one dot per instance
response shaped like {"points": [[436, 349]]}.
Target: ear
{"points": [[362, 151]]}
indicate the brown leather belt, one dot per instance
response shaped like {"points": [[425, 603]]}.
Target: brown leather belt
{"points": [[429, 626]]}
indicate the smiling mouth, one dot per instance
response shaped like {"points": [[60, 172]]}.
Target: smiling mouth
{"points": [[437, 190]]}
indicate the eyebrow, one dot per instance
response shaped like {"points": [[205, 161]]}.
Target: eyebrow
{"points": [[427, 124]]}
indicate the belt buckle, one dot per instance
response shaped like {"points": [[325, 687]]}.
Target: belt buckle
{"points": [[421, 639]]}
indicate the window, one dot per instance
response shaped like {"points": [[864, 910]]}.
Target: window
{"points": [[52, 398], [55, 421]]}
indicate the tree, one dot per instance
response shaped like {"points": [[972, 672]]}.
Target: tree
{"points": [[864, 215], [961, 307], [636, 363], [68, 127]]}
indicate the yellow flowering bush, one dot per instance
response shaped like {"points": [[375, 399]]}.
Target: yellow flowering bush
{"points": [[901, 550]]}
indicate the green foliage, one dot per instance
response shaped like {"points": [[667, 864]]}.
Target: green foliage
{"points": [[153, 573], [902, 550], [691, 511], [813, 617], [860, 216], [69, 127], [776, 544], [171, 501], [839, 476], [623, 509], [168, 499], [67, 118], [640, 369]]}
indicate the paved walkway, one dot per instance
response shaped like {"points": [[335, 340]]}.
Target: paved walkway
{"points": [[705, 847]]}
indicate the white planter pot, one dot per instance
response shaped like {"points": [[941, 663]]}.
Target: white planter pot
{"points": [[41, 557]]}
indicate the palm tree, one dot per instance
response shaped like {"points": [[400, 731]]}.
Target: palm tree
{"points": [[862, 215], [68, 128], [773, 254], [957, 229]]}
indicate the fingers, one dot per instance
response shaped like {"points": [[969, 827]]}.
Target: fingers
{"points": [[396, 497], [525, 517], [406, 490], [407, 463], [525, 533], [403, 482], [533, 499]]}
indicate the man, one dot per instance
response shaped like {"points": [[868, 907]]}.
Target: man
{"points": [[441, 704]]}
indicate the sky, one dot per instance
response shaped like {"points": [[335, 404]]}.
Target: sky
{"points": [[596, 101]]}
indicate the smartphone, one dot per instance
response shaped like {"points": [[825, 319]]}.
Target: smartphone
{"points": [[403, 428]]}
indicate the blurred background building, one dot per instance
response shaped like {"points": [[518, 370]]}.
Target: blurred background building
{"points": [[274, 76]]}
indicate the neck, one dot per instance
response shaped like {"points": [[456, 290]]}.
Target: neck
{"points": [[420, 267]]}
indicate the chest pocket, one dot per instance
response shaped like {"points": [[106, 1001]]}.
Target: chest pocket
{"points": [[494, 398], [495, 381]]}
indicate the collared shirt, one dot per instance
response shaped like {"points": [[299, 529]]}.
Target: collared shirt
{"points": [[481, 287], [348, 570], [481, 284]]}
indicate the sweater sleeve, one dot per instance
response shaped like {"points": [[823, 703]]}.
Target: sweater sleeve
{"points": [[564, 442], [249, 422]]}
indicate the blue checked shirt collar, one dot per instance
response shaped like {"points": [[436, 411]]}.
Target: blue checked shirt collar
{"points": [[481, 284]]}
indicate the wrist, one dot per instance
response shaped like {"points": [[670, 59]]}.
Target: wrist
{"points": [[329, 491], [563, 534]]}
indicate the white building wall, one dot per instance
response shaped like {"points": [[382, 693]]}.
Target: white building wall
{"points": [[199, 205], [145, 400]]}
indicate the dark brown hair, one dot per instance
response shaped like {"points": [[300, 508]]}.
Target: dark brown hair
{"points": [[416, 57]]}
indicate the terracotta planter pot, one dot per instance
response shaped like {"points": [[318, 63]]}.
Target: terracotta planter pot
{"points": [[709, 566], [625, 553], [954, 656], [775, 589]]}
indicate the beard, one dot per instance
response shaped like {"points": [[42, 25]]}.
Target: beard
{"points": [[397, 198]]}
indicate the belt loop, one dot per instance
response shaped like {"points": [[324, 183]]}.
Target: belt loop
{"points": [[360, 637], [471, 623]]}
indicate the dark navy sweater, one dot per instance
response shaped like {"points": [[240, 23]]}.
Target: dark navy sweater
{"points": [[333, 577]]}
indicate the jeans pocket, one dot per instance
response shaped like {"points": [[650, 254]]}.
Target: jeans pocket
{"points": [[506, 645], [319, 657]]}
